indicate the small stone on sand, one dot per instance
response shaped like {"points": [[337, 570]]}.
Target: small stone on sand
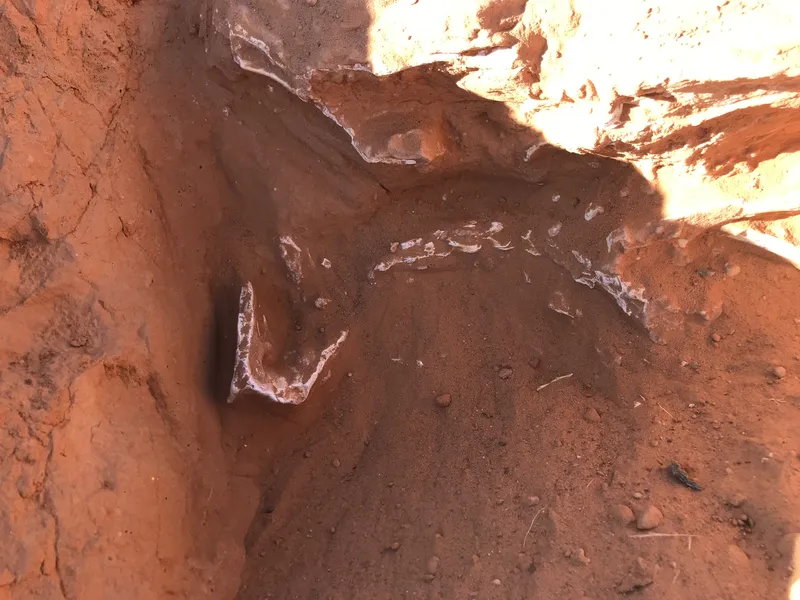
{"points": [[579, 558], [444, 400], [505, 372], [592, 415], [738, 557], [640, 576], [732, 270], [737, 500], [649, 518], [622, 514], [778, 372], [433, 565]]}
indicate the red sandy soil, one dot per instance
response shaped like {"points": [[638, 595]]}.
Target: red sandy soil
{"points": [[126, 477]]}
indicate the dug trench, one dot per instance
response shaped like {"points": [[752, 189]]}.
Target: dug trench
{"points": [[445, 454]]}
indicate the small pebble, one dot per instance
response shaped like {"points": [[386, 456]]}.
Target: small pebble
{"points": [[433, 565], [444, 400], [622, 514], [579, 557], [738, 556], [592, 415], [307, 454], [737, 500], [535, 362], [732, 270], [496, 582], [638, 495], [336, 463], [333, 529], [639, 577], [395, 546], [311, 2], [533, 500], [715, 337], [505, 372], [779, 372], [649, 518], [728, 471]]}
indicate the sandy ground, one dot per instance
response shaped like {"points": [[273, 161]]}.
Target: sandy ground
{"points": [[131, 478]]}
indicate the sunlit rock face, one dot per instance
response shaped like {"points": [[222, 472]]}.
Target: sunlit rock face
{"points": [[702, 99]]}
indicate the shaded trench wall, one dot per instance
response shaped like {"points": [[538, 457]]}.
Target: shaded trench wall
{"points": [[110, 451], [134, 201]]}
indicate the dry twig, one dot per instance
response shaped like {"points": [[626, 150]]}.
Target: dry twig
{"points": [[662, 535], [525, 539], [666, 411], [650, 535], [544, 385]]}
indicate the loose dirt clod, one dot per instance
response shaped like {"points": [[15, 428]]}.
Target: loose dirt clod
{"points": [[505, 372], [732, 270], [432, 566], [443, 400], [622, 514], [738, 557], [649, 518], [591, 415], [579, 558], [639, 576], [737, 500], [778, 372]]}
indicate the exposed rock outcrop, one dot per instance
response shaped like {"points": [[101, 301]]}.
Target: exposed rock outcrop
{"points": [[703, 100]]}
